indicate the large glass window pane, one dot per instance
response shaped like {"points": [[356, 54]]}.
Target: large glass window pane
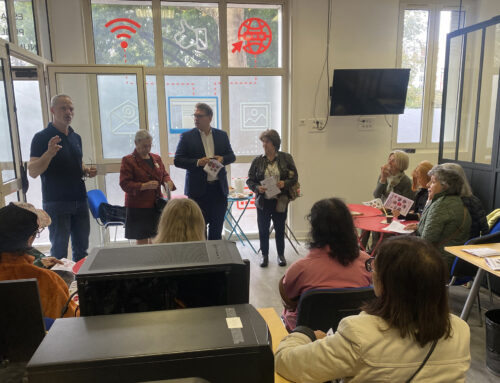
{"points": [[453, 94], [190, 34], [448, 22], [4, 24], [153, 113], [414, 54], [469, 95], [254, 106], [12, 197], [119, 112], [489, 91], [25, 24], [254, 35], [6, 154], [182, 93], [123, 32], [248, 221]]}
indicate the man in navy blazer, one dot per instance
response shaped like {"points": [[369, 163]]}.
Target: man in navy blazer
{"points": [[195, 149]]}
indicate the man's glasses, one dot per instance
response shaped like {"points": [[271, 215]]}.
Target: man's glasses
{"points": [[39, 231], [199, 115], [369, 264]]}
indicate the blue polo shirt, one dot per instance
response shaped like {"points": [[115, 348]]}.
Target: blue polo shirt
{"points": [[62, 181]]}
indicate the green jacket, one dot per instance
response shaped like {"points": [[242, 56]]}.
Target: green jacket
{"points": [[445, 222]]}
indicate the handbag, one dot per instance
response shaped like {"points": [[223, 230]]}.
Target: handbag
{"points": [[161, 201], [294, 191]]}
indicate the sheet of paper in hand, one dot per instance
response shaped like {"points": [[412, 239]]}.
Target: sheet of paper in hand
{"points": [[271, 188], [397, 227], [213, 167], [398, 202], [376, 203]]}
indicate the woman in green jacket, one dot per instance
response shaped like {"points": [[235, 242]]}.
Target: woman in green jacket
{"points": [[445, 221]]}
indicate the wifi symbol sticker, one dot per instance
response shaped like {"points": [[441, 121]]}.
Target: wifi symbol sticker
{"points": [[120, 28]]}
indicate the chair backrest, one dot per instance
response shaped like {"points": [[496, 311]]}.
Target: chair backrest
{"points": [[95, 198], [324, 309], [461, 268], [21, 322], [495, 228]]}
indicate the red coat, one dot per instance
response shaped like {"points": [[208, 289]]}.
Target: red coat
{"points": [[134, 172]]}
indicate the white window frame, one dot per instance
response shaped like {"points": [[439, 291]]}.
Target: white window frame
{"points": [[434, 8]]}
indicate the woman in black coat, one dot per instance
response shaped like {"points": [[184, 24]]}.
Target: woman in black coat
{"points": [[280, 166]]}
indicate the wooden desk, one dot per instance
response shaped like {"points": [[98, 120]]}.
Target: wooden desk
{"points": [[278, 332], [482, 268]]}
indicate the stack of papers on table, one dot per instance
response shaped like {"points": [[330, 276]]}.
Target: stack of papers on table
{"points": [[397, 227], [493, 263], [482, 252]]}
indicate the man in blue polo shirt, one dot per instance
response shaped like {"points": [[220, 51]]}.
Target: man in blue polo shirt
{"points": [[56, 155]]}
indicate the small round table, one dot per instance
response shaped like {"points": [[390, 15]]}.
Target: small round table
{"points": [[233, 222]]}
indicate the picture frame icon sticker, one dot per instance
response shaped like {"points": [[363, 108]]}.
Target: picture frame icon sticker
{"points": [[255, 115], [124, 119]]}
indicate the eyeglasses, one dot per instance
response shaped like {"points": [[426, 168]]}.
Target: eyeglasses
{"points": [[39, 231], [369, 264], [199, 115]]}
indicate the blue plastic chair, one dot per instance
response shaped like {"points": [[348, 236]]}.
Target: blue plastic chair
{"points": [[95, 198]]}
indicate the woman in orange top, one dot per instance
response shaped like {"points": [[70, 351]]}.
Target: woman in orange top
{"points": [[19, 226]]}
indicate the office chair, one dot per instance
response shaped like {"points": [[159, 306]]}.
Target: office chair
{"points": [[463, 272], [323, 309], [96, 197]]}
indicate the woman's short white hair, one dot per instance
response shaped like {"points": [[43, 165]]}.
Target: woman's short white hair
{"points": [[401, 158], [466, 189], [142, 134]]}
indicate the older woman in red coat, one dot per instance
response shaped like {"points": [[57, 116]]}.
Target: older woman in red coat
{"points": [[141, 176]]}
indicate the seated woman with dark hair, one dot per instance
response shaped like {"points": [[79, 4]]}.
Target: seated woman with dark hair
{"points": [[334, 259], [391, 339], [19, 226]]}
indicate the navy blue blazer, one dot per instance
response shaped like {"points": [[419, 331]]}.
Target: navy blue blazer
{"points": [[190, 149]]}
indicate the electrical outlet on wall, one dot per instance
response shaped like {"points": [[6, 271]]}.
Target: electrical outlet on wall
{"points": [[366, 123], [317, 125]]}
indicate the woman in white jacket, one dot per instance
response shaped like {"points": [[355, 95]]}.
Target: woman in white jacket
{"points": [[407, 323]]}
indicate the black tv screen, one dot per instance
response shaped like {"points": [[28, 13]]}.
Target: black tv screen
{"points": [[368, 91]]}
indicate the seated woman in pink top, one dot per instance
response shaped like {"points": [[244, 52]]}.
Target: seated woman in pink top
{"points": [[334, 259]]}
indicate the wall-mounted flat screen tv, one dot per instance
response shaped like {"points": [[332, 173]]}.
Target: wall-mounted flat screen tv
{"points": [[368, 91]]}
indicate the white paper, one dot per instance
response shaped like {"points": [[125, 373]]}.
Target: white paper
{"points": [[397, 227], [66, 266], [493, 263], [398, 202], [272, 188], [234, 322], [330, 332], [376, 203], [482, 252], [213, 167]]}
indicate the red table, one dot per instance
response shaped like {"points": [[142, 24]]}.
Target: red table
{"points": [[374, 224], [366, 211]]}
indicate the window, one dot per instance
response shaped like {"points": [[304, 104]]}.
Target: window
{"points": [[422, 48], [230, 56]]}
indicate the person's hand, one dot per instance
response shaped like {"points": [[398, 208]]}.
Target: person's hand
{"points": [[319, 334], [384, 173], [411, 226], [220, 159], [48, 262], [91, 171], [203, 161], [170, 185], [150, 185], [281, 184], [53, 147], [396, 213], [261, 189]]}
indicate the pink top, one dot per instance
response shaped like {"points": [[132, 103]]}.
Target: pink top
{"points": [[317, 270]]}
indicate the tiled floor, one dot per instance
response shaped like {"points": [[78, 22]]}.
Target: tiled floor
{"points": [[264, 293]]}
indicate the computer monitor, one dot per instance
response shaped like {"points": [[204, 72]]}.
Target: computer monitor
{"points": [[119, 279], [21, 322], [222, 344]]}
